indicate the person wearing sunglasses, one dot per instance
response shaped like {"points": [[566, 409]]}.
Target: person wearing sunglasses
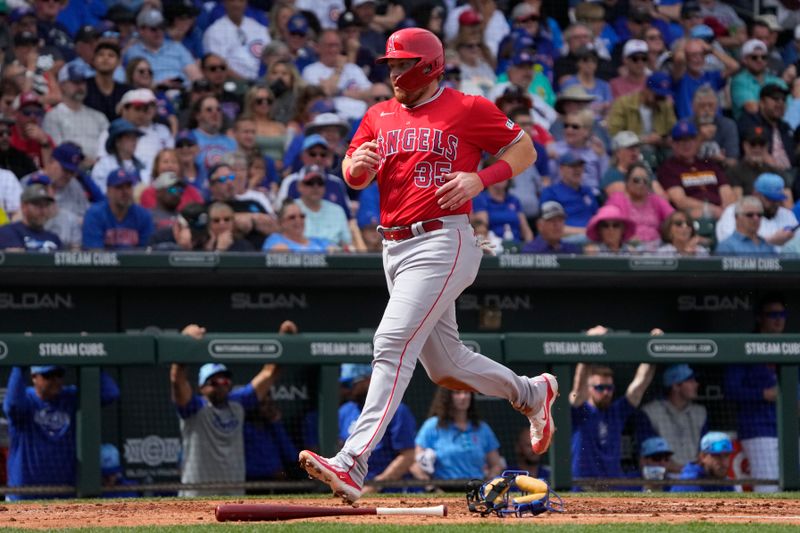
{"points": [[212, 420], [679, 236], [749, 211], [324, 219], [580, 141], [610, 231], [139, 75], [677, 418], [27, 134], [754, 389], [291, 236], [634, 74], [41, 423], [747, 84], [642, 205], [207, 116], [599, 419], [713, 462], [655, 457]]}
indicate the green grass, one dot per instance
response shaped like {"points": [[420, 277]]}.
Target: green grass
{"points": [[519, 525]]}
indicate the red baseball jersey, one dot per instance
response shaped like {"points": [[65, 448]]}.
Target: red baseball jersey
{"points": [[418, 145]]}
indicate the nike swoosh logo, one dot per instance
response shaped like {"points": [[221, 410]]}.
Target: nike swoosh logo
{"points": [[384, 113]]}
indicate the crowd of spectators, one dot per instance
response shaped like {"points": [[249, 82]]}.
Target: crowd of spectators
{"points": [[661, 127]]}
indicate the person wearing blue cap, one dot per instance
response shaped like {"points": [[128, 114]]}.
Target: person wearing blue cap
{"points": [[41, 427], [72, 120], [697, 186], [754, 389], [394, 454], [749, 212], [712, 462], [655, 459], [777, 224], [111, 470], [689, 71], [626, 113], [578, 201], [676, 417], [117, 223], [212, 420]]}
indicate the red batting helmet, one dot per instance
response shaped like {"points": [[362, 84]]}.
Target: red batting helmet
{"points": [[416, 43]]}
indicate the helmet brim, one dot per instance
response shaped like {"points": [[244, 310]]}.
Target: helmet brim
{"points": [[397, 54]]}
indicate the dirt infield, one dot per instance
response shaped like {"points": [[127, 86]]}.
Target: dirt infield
{"points": [[579, 509]]}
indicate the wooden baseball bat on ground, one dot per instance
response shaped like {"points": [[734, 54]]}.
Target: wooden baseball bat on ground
{"points": [[232, 512]]}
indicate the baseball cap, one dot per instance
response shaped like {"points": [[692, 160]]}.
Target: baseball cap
{"points": [[654, 446], [136, 96], [683, 130], [570, 159], [677, 374], [35, 193], [195, 216], [522, 58], [322, 106], [71, 72], [348, 19], [150, 18], [120, 14], [356, 3], [773, 90], [522, 11], [24, 38], [469, 17], [185, 136], [86, 34], [69, 155], [26, 99], [20, 13], [165, 180], [209, 370], [625, 139], [755, 135], [175, 8], [752, 46], [552, 209], [121, 176], [313, 140], [640, 14], [109, 459], [585, 51], [716, 442], [689, 10], [324, 120], [46, 369], [351, 373], [523, 42], [660, 83], [770, 21], [297, 24], [703, 31], [634, 46], [313, 171], [771, 186]]}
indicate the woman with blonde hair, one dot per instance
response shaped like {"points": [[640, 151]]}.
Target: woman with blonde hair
{"points": [[286, 84]]}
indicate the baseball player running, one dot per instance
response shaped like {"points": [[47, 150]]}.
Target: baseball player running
{"points": [[424, 146]]}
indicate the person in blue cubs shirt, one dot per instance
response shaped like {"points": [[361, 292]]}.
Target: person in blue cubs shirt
{"points": [[598, 419], [41, 427], [454, 443], [394, 454], [28, 234], [712, 463], [117, 223]]}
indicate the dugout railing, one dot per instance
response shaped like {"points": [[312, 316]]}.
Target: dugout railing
{"points": [[322, 353]]}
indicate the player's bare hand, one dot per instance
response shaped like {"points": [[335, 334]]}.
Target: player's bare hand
{"points": [[194, 331], [365, 158], [460, 188]]}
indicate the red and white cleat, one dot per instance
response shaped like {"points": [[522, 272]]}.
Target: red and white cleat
{"points": [[338, 480], [542, 426]]}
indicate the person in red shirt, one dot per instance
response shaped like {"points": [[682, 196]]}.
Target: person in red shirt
{"points": [[423, 147], [27, 134]]}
